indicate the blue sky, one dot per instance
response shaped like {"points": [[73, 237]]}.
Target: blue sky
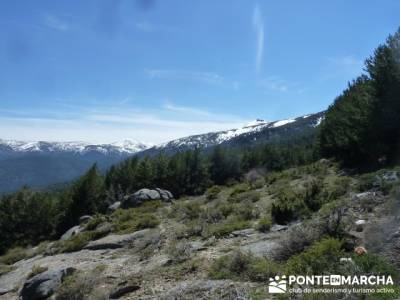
{"points": [[106, 70]]}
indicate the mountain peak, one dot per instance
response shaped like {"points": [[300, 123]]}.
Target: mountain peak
{"points": [[124, 147]]}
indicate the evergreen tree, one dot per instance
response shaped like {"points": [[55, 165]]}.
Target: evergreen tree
{"points": [[345, 132], [88, 196], [384, 70]]}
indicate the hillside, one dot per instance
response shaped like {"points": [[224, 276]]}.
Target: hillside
{"points": [[224, 244]]}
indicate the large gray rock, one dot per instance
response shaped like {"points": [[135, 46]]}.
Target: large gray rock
{"points": [[144, 195], [116, 241], [113, 207], [71, 232], [43, 285], [85, 219]]}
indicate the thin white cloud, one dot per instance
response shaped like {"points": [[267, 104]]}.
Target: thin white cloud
{"points": [[55, 23], [105, 124], [274, 84], [280, 85], [258, 24], [193, 76]]}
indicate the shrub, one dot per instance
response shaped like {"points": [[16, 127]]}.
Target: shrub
{"points": [[335, 189], [36, 270], [77, 242], [374, 264], [225, 228], [179, 251], [79, 286], [366, 182], [287, 207], [258, 184], [321, 258], [296, 239], [240, 188], [211, 215], [213, 192], [95, 221], [264, 224], [186, 210], [4, 269], [252, 196], [245, 211], [243, 266], [15, 254], [131, 220], [292, 204], [225, 208]]}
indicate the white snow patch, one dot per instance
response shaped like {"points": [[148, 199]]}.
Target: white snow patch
{"points": [[282, 122]]}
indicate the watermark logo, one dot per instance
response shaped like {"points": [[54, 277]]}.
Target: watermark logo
{"points": [[328, 283], [277, 285]]}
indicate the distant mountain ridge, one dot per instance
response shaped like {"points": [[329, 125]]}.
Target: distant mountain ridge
{"points": [[258, 131], [40, 164], [127, 147]]}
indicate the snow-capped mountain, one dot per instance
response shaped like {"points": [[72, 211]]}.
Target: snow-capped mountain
{"points": [[257, 131], [125, 147], [40, 164]]}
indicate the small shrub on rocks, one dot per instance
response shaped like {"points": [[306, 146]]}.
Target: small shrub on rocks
{"points": [[213, 192], [264, 224], [243, 266], [321, 258]]}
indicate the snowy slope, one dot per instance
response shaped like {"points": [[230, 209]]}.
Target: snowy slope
{"points": [[259, 130], [125, 147]]}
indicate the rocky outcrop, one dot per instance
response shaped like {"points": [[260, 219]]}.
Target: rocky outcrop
{"points": [[116, 241], [71, 232], [113, 207], [144, 195], [85, 219], [123, 290], [43, 285]]}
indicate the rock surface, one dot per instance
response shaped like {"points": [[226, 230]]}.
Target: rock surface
{"points": [[43, 285], [71, 232], [121, 291], [116, 241], [113, 207], [85, 219], [144, 195]]}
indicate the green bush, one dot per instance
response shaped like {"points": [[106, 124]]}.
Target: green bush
{"points": [[225, 228], [287, 207], [184, 211], [95, 221], [321, 258], [77, 242], [15, 254], [243, 266], [245, 211], [258, 184], [131, 220], [374, 264], [295, 203], [240, 188], [36, 270], [213, 192], [252, 196], [264, 224], [225, 208], [4, 269]]}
